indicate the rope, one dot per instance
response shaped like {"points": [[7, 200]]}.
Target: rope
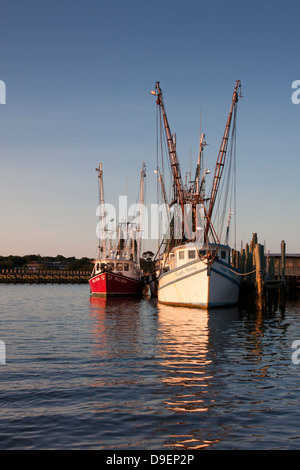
{"points": [[243, 274]]}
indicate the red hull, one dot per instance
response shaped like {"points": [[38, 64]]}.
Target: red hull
{"points": [[110, 284]]}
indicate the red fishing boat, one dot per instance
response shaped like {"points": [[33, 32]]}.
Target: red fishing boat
{"points": [[107, 281], [116, 270]]}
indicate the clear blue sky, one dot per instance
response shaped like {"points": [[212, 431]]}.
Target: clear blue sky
{"points": [[78, 76]]}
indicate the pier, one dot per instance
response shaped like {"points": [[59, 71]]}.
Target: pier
{"points": [[28, 276], [267, 280]]}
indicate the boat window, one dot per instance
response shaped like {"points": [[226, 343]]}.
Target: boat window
{"points": [[172, 255], [97, 267], [223, 254], [110, 266], [191, 254], [126, 267], [181, 254], [119, 266]]}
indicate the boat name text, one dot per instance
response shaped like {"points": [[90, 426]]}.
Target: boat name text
{"points": [[185, 271]]}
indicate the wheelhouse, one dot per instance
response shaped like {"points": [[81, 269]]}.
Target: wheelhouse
{"points": [[119, 266], [191, 252]]}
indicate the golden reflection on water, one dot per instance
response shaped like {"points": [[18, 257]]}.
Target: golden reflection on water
{"points": [[180, 361], [183, 357], [183, 345]]}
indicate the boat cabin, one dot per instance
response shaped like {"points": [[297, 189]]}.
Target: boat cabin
{"points": [[184, 254], [125, 267]]}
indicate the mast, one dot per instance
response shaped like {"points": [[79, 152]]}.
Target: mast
{"points": [[102, 238], [141, 212], [221, 160], [174, 162], [179, 193], [198, 168], [142, 196]]}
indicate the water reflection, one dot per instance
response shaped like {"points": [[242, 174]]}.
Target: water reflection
{"points": [[186, 376], [258, 334], [183, 346], [189, 341], [128, 374], [172, 351], [116, 326], [186, 353]]}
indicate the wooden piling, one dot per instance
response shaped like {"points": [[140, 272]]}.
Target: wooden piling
{"points": [[260, 285], [271, 268], [282, 278], [282, 261]]}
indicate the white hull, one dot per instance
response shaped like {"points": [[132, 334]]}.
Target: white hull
{"points": [[196, 284]]}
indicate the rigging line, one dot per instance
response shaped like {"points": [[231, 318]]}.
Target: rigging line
{"points": [[233, 175], [234, 188], [211, 227], [164, 155], [100, 214], [221, 203], [229, 180], [226, 185], [222, 155], [162, 143], [156, 109], [159, 153]]}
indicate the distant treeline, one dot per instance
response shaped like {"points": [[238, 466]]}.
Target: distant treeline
{"points": [[61, 262], [45, 262]]}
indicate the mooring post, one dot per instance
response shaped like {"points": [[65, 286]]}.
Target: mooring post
{"points": [[271, 268], [260, 287], [253, 242], [243, 258], [282, 277], [282, 264], [249, 263]]}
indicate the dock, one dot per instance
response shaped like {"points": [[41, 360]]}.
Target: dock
{"points": [[267, 280], [28, 276]]}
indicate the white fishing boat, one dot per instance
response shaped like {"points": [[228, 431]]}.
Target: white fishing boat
{"points": [[200, 276], [195, 267]]}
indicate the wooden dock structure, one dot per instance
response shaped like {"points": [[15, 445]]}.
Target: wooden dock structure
{"points": [[267, 279], [40, 276]]}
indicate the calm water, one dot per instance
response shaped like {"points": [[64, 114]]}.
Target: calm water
{"points": [[131, 374]]}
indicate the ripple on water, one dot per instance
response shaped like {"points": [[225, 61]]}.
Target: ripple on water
{"points": [[89, 373]]}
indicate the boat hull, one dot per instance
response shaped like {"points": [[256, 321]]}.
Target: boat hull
{"points": [[199, 285], [111, 284]]}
